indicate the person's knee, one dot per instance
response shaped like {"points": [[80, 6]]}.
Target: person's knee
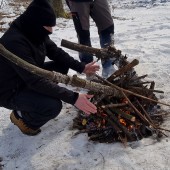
{"points": [[54, 109], [43, 114], [49, 109]]}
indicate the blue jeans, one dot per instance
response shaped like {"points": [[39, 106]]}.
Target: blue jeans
{"points": [[106, 39]]}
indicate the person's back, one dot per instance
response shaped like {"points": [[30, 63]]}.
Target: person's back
{"points": [[17, 42], [8, 77]]}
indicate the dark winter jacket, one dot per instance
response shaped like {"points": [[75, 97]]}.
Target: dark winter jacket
{"points": [[14, 78]]}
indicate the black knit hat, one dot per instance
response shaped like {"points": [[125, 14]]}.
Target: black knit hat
{"points": [[40, 12]]}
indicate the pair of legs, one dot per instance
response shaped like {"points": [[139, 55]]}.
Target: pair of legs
{"points": [[36, 109], [99, 11]]}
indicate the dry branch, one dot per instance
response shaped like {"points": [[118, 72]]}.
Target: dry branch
{"points": [[130, 92], [130, 116], [124, 69], [116, 119], [58, 77], [103, 53], [113, 105]]}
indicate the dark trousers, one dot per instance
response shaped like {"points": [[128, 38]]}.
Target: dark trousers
{"points": [[37, 109], [99, 11]]}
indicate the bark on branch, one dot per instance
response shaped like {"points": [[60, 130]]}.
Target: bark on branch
{"points": [[58, 77], [103, 53], [124, 69], [129, 92]]}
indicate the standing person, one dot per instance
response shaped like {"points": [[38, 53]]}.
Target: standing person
{"points": [[33, 99], [99, 11]]}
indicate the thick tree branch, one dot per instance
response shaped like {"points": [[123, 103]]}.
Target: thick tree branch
{"points": [[58, 77]]}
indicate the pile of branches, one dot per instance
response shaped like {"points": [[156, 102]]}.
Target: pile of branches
{"points": [[127, 107], [126, 119], [130, 116]]}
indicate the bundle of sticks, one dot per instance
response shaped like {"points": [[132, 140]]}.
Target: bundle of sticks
{"points": [[127, 107], [128, 116], [123, 118]]}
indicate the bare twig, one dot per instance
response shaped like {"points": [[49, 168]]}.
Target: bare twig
{"points": [[113, 105], [130, 92], [136, 110]]}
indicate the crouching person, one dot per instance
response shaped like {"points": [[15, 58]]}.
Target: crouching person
{"points": [[33, 99]]}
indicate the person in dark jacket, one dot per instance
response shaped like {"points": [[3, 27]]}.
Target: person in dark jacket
{"points": [[33, 99], [99, 11]]}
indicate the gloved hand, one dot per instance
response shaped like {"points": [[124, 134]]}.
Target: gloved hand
{"points": [[91, 68], [84, 104]]}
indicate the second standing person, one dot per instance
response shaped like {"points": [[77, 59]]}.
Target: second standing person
{"points": [[99, 11]]}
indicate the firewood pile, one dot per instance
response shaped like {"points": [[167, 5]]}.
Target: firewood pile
{"points": [[127, 107], [127, 118], [132, 115]]}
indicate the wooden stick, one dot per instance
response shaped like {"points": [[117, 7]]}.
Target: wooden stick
{"points": [[147, 115], [113, 105], [140, 77], [137, 111], [154, 115], [152, 86], [58, 77], [123, 114], [130, 92], [145, 89], [116, 128], [124, 69], [139, 83], [163, 129], [142, 117], [114, 118], [99, 53]]}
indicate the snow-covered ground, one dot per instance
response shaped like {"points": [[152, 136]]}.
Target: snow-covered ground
{"points": [[142, 31]]}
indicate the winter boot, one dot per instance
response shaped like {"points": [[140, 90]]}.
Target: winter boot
{"points": [[18, 121], [108, 68]]}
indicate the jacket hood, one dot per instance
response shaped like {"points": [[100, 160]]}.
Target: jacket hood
{"points": [[38, 14]]}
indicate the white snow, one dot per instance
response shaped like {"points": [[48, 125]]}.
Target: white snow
{"points": [[142, 31]]}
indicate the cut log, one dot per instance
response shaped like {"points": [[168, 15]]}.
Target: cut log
{"points": [[124, 69]]}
